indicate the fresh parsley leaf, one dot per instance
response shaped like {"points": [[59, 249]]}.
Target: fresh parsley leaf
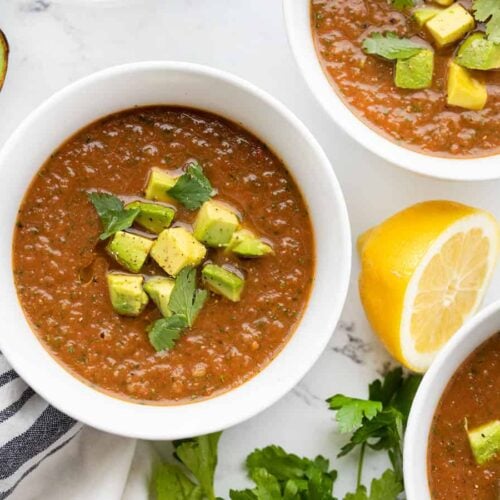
{"points": [[164, 332], [186, 300], [386, 487], [488, 11], [402, 4], [169, 482], [281, 475], [390, 46], [114, 217], [199, 455], [351, 411], [192, 188]]}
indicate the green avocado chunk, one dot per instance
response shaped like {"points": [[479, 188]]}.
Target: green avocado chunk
{"points": [[126, 293], [485, 441], [159, 288], [152, 216], [479, 53], [245, 244], [425, 14], [159, 182], [129, 250], [223, 282], [416, 71], [215, 224]]}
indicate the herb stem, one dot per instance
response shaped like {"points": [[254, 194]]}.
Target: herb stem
{"points": [[360, 465]]}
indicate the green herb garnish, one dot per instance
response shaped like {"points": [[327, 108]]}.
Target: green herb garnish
{"points": [[403, 4], [390, 46], [382, 422], [378, 423], [164, 333], [185, 302], [488, 11], [192, 188], [114, 217], [278, 474], [198, 457]]}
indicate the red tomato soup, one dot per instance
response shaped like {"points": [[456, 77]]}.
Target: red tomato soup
{"points": [[419, 119], [471, 398], [61, 265]]}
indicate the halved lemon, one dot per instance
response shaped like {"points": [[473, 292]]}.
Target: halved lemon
{"points": [[424, 272]]}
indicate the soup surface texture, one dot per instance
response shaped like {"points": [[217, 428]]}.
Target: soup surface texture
{"points": [[60, 266], [472, 394], [417, 119]]}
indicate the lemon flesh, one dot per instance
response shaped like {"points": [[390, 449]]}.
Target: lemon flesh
{"points": [[424, 272]]}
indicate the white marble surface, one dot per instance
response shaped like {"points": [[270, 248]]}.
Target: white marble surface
{"points": [[54, 42]]}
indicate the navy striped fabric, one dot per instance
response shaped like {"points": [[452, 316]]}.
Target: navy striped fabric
{"points": [[30, 429]]}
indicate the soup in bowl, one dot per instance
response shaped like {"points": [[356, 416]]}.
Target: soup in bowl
{"points": [[180, 251], [397, 77], [452, 442]]}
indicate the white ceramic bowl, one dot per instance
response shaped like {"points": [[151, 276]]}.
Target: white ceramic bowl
{"points": [[463, 343], [196, 86], [298, 24]]}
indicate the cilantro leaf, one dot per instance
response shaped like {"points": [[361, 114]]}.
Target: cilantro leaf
{"points": [[114, 217], [351, 411], [199, 455], [402, 4], [281, 475], [169, 482], [192, 188], [186, 300], [386, 487], [390, 46], [164, 332], [488, 11]]}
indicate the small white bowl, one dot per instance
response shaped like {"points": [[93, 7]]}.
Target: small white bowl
{"points": [[462, 344], [181, 84], [298, 24]]}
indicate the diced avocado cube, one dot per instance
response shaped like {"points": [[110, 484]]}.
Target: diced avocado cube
{"points": [[223, 282], [215, 224], [159, 182], [126, 293], [152, 216], [444, 3], [159, 288], [450, 25], [416, 71], [177, 248], [485, 441], [129, 250], [425, 14], [246, 244], [464, 90], [477, 52]]}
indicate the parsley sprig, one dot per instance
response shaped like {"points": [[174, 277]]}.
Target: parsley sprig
{"points": [[192, 188], [488, 11], [114, 216], [378, 422], [389, 46], [185, 303]]}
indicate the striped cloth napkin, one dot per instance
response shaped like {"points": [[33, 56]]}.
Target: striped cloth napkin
{"points": [[30, 429]]}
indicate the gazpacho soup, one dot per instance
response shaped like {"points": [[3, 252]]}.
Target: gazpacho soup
{"points": [[464, 444], [423, 73], [163, 255]]}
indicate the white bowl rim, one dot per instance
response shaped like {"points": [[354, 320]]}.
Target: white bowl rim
{"points": [[298, 26], [225, 420], [449, 359]]}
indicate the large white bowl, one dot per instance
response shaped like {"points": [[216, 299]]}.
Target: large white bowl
{"points": [[447, 362], [298, 24], [196, 86]]}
